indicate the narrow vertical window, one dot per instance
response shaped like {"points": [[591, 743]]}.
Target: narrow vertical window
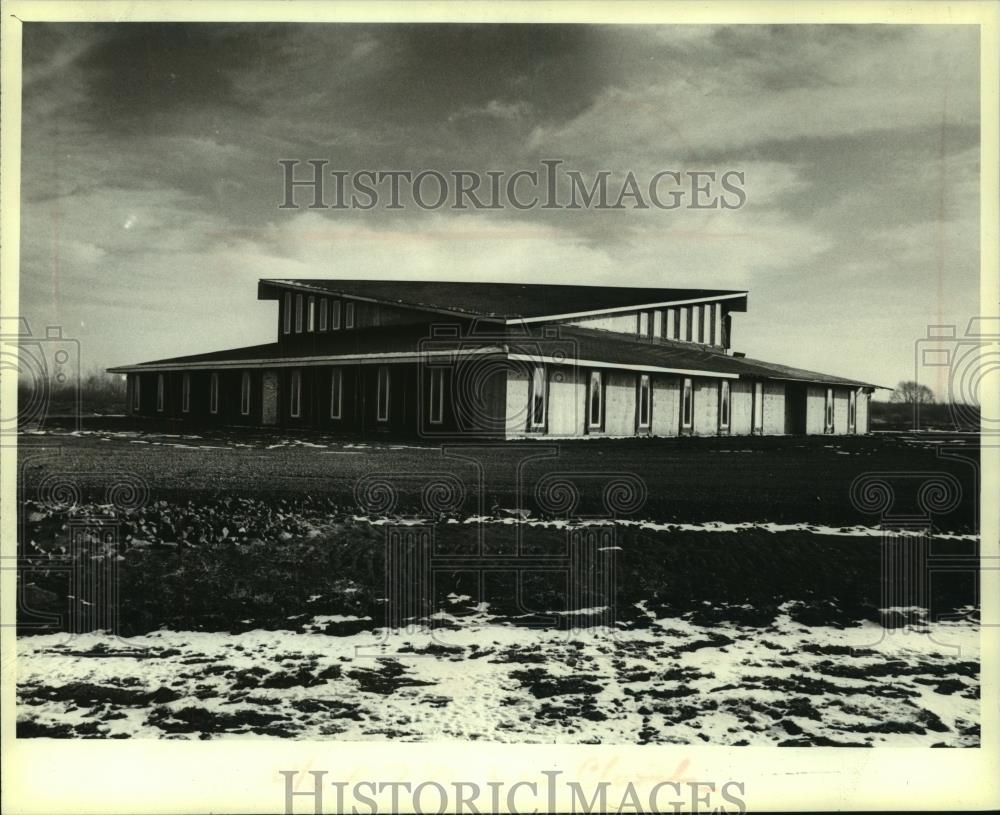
{"points": [[657, 323], [245, 394], [311, 314], [852, 411], [829, 410], [687, 404], [213, 393], [671, 324], [643, 323], [436, 395], [295, 394], [695, 324], [136, 392], [724, 404], [159, 393], [288, 313], [717, 325], [758, 407], [706, 324], [324, 308], [298, 313], [595, 402], [336, 392], [382, 400], [537, 398], [335, 315], [682, 329], [348, 315], [186, 393], [645, 403]]}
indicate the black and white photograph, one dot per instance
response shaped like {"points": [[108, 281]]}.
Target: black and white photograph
{"points": [[480, 382]]}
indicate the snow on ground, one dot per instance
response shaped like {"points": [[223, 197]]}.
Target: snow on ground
{"points": [[482, 677]]}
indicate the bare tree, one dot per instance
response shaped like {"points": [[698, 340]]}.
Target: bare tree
{"points": [[912, 393]]}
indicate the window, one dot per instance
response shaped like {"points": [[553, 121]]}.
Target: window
{"points": [[324, 307], [682, 329], [671, 324], [436, 396], [311, 314], [288, 313], [758, 407], [687, 404], [595, 402], [295, 394], [159, 393], [706, 324], [245, 394], [657, 323], [645, 402], [717, 324], [829, 410], [298, 313], [538, 398], [724, 404], [852, 410], [348, 315], [382, 400], [695, 324], [186, 393], [336, 392], [136, 393], [213, 393], [335, 315], [643, 323]]}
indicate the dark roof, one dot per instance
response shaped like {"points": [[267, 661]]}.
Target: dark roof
{"points": [[570, 342], [613, 347], [498, 300]]}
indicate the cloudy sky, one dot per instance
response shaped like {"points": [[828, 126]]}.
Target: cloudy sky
{"points": [[151, 184]]}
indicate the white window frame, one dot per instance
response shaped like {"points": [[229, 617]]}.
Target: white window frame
{"points": [[682, 329], [213, 393], [185, 392], [595, 380], [695, 324], [706, 324], [324, 309], [538, 395], [725, 404], [436, 396], [336, 393], [643, 323], [298, 313], [295, 394], [717, 325], [828, 412], [288, 313], [161, 387], [245, 385], [136, 392], [644, 402], [383, 390], [671, 324], [852, 411], [311, 314], [335, 315], [687, 403], [658, 323], [349, 314]]}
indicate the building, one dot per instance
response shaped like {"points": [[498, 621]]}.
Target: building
{"points": [[498, 361]]}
